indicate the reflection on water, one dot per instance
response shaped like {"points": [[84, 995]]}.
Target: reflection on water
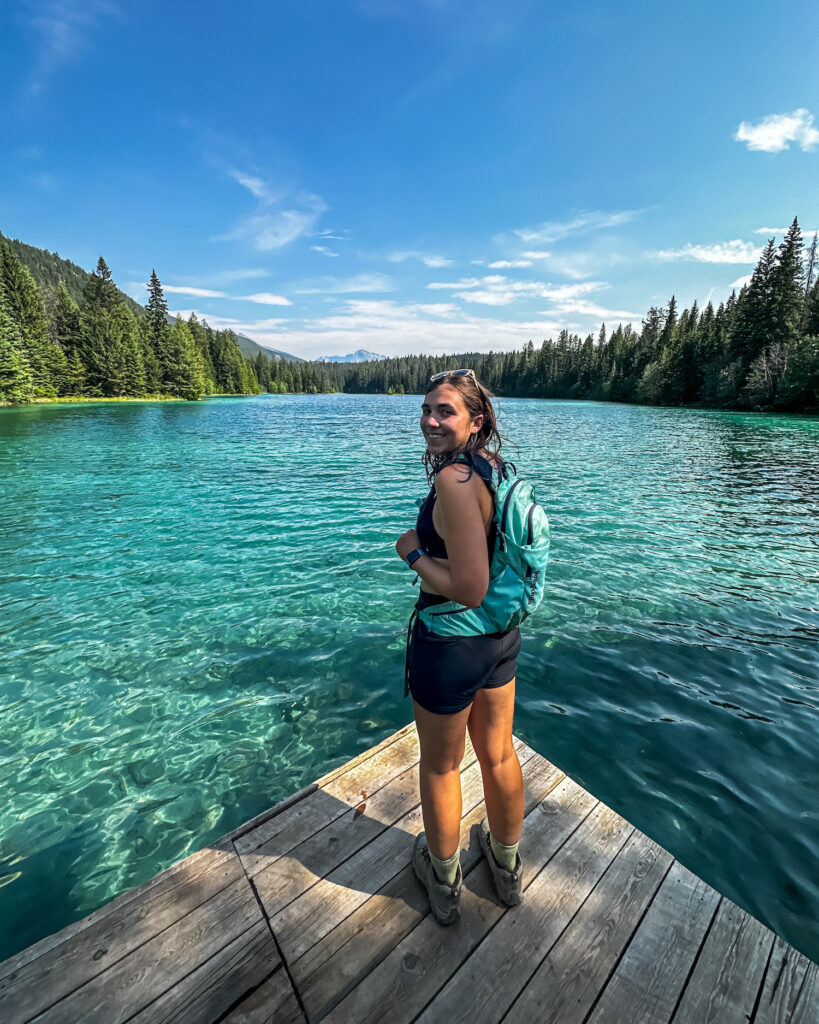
{"points": [[203, 611]]}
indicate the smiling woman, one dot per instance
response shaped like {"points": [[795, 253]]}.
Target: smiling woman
{"points": [[461, 682]]}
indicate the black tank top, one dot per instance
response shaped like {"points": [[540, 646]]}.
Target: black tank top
{"points": [[431, 541]]}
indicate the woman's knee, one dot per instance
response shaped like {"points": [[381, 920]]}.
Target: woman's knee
{"points": [[496, 754], [442, 762]]}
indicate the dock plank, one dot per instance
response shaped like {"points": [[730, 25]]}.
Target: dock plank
{"points": [[130, 986], [44, 973], [651, 975], [347, 954], [790, 992], [404, 982], [567, 982], [729, 970], [490, 980], [273, 1002], [278, 835], [288, 877]]}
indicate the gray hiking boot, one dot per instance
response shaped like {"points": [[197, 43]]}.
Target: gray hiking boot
{"points": [[444, 900], [508, 884]]}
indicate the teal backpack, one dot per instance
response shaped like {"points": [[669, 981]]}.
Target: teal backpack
{"points": [[516, 570]]}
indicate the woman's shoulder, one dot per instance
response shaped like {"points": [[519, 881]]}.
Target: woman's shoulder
{"points": [[477, 467]]}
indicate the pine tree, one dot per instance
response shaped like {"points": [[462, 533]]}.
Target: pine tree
{"points": [[788, 288], [184, 376], [159, 330], [752, 325], [15, 376], [25, 308], [100, 292], [65, 321]]}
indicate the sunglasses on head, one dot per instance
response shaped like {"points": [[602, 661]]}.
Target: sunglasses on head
{"points": [[452, 373]]}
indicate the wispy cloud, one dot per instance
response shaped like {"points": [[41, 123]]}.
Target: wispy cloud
{"points": [[583, 307], [777, 131], [741, 281], [390, 327], [63, 28], [508, 264], [266, 299], [256, 186], [735, 251], [262, 298], [340, 286], [277, 220], [429, 260], [324, 250], [536, 254], [782, 231], [592, 220], [186, 289], [498, 290]]}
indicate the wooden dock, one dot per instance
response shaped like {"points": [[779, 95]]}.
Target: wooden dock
{"points": [[311, 912]]}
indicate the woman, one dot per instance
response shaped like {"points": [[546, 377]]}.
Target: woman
{"points": [[461, 682]]}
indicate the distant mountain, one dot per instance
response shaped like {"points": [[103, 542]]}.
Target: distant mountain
{"points": [[48, 269], [250, 348], [360, 356]]}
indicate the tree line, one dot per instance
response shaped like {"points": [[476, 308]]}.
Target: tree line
{"points": [[757, 350], [100, 347]]}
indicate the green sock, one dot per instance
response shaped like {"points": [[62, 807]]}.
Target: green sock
{"points": [[506, 856], [447, 870]]}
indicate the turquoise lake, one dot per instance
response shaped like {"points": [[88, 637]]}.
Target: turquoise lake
{"points": [[202, 611]]}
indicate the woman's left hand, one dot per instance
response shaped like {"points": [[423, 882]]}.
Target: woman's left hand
{"points": [[407, 542]]}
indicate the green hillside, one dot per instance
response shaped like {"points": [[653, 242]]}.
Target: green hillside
{"points": [[49, 268]]}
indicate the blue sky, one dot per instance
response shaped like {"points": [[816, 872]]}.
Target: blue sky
{"points": [[410, 175]]}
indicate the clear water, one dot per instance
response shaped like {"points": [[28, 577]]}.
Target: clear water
{"points": [[202, 611]]}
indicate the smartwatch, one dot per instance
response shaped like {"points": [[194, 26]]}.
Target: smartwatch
{"points": [[413, 556]]}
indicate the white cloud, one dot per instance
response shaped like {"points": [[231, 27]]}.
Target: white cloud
{"points": [[504, 264], [536, 254], [340, 286], [582, 307], [266, 299], [266, 231], [593, 220], [497, 290], [257, 186], [324, 250], [777, 131], [741, 281], [394, 328], [63, 27], [465, 282], [273, 226], [199, 293], [783, 231], [414, 254], [735, 251]]}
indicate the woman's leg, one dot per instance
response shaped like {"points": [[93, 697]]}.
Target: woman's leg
{"points": [[442, 739], [490, 729]]}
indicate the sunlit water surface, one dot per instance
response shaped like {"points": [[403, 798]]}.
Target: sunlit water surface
{"points": [[202, 611]]}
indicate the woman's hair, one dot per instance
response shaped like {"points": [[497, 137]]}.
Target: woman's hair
{"points": [[478, 402]]}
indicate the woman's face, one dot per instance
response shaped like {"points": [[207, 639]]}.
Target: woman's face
{"points": [[445, 420]]}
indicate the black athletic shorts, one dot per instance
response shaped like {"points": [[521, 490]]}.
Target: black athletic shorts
{"points": [[445, 672]]}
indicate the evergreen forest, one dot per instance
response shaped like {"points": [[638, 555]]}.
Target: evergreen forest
{"points": [[757, 350]]}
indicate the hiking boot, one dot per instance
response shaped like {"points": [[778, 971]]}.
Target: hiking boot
{"points": [[444, 900], [508, 884]]}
